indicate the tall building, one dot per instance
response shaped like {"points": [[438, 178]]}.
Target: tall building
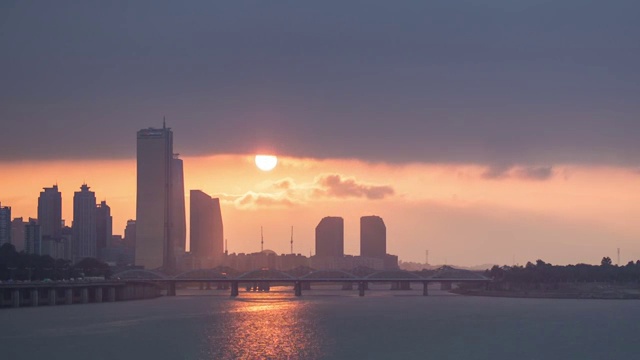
{"points": [[84, 224], [330, 237], [104, 227], [206, 229], [17, 234], [32, 237], [130, 233], [5, 224], [179, 223], [130, 241], [153, 198], [50, 213], [373, 237], [67, 240]]}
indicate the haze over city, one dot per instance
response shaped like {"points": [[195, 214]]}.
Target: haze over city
{"points": [[492, 133]]}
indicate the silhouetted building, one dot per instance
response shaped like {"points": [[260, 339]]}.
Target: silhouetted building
{"points": [[346, 263], [17, 234], [67, 239], [153, 198], [130, 235], [373, 237], [5, 224], [104, 227], [84, 224], [330, 237], [117, 253], [50, 213], [32, 237], [206, 228], [179, 226]]}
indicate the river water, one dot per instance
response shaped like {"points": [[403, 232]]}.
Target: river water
{"points": [[325, 324]]}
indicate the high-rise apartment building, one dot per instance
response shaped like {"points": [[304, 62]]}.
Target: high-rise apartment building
{"points": [[17, 234], [5, 224], [104, 226], [154, 248], [50, 213], [84, 224], [179, 221], [206, 228], [373, 237], [330, 237], [32, 237]]}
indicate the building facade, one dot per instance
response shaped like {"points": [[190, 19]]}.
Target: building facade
{"points": [[5, 224], [153, 198], [373, 237], [330, 237], [17, 233], [84, 224], [179, 221], [206, 228], [32, 237], [104, 227], [50, 213]]}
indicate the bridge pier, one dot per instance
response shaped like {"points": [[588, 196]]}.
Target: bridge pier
{"points": [[234, 288], [171, 290], [84, 295], [361, 287], [52, 296], [34, 297], [297, 288], [111, 294], [425, 288], [68, 296], [15, 298], [98, 294], [445, 285]]}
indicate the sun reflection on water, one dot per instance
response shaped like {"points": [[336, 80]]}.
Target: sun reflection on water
{"points": [[265, 326]]}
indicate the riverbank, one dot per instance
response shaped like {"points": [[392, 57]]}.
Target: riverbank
{"points": [[566, 291]]}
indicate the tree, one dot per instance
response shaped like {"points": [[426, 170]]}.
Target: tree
{"points": [[606, 261]]}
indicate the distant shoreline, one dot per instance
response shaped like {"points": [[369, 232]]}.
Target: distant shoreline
{"points": [[548, 294]]}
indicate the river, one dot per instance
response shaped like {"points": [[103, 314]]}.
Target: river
{"points": [[325, 324]]}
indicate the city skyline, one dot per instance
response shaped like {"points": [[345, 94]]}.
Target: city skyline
{"points": [[245, 213]]}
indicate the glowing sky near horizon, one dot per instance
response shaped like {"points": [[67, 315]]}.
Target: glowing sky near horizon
{"points": [[576, 214]]}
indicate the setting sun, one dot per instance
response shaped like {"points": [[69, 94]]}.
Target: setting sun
{"points": [[266, 162]]}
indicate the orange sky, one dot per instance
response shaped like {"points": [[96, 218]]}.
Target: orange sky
{"points": [[579, 214]]}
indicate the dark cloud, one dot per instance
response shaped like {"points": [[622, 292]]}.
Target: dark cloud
{"points": [[499, 82], [339, 187], [522, 172]]}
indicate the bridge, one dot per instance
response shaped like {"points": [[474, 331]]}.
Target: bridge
{"points": [[302, 278], [39, 293]]}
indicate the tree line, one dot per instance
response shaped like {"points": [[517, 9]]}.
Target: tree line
{"points": [[545, 273], [21, 266]]}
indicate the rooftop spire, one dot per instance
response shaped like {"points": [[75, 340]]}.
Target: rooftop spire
{"points": [[261, 240]]}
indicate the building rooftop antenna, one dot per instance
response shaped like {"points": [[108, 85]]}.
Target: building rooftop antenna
{"points": [[261, 240], [292, 240]]}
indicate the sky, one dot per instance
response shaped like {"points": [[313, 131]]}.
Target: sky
{"points": [[487, 132]]}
